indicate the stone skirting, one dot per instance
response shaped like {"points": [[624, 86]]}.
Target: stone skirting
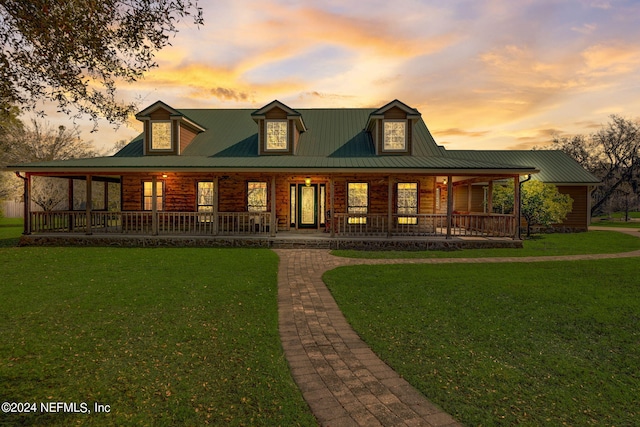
{"points": [[367, 244]]}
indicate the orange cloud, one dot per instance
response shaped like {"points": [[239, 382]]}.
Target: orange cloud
{"points": [[612, 58]]}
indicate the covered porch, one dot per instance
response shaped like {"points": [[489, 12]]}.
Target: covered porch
{"points": [[318, 206]]}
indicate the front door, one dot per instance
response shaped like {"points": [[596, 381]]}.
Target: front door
{"points": [[308, 206]]}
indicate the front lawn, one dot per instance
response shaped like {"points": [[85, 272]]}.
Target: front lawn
{"points": [[555, 343], [616, 219], [172, 336], [592, 242]]}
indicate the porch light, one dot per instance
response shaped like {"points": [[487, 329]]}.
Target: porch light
{"points": [[307, 181], [444, 181], [164, 175]]}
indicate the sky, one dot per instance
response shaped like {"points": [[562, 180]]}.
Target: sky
{"points": [[485, 74]]}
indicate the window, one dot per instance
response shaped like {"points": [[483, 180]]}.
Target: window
{"points": [[256, 196], [161, 135], [205, 196], [147, 195], [358, 201], [276, 135], [407, 203], [395, 135]]}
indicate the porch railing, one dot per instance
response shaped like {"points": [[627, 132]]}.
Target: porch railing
{"points": [[480, 225], [166, 223], [259, 223]]}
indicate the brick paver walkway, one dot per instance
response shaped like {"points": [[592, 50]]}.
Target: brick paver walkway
{"points": [[342, 380]]}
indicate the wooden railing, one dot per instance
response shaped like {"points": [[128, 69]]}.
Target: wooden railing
{"points": [[361, 224], [259, 223], [494, 225], [166, 223], [481, 225]]}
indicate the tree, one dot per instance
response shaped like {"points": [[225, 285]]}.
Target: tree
{"points": [[73, 52], [540, 203], [38, 142], [612, 154]]}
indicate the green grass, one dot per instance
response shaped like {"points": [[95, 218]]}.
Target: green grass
{"points": [[592, 242], [620, 215], [554, 343], [172, 336], [616, 219], [10, 230], [616, 223]]}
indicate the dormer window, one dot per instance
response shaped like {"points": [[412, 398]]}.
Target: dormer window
{"points": [[279, 129], [161, 135], [277, 136], [391, 129], [395, 135], [167, 131]]}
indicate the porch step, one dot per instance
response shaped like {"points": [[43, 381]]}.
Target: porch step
{"points": [[301, 243]]}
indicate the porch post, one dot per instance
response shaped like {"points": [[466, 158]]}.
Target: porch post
{"points": [[70, 194], [27, 203], [274, 221], [332, 210], [490, 198], [106, 196], [389, 205], [154, 206], [469, 188], [88, 203], [70, 204], [516, 205], [449, 205], [216, 182]]}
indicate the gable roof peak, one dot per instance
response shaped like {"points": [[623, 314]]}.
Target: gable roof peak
{"points": [[273, 104], [156, 106], [396, 103], [291, 113]]}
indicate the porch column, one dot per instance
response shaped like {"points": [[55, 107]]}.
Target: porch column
{"points": [[332, 188], [274, 220], [490, 197], [449, 205], [88, 204], [106, 196], [27, 202], [154, 206], [516, 205], [469, 188], [390, 206], [216, 182], [70, 204]]}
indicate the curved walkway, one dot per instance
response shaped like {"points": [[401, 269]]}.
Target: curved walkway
{"points": [[342, 380]]}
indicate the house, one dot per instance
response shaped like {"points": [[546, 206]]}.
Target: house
{"points": [[361, 174]]}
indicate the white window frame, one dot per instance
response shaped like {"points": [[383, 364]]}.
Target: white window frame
{"points": [[151, 125], [148, 185], [361, 209], [267, 139], [385, 143], [262, 185], [205, 208], [407, 220]]}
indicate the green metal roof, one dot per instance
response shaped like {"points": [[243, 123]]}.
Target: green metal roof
{"points": [[335, 139], [555, 166], [334, 133]]}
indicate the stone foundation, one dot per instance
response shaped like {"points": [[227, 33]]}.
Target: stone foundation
{"points": [[364, 244]]}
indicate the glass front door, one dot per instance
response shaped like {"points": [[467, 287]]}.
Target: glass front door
{"points": [[308, 206]]}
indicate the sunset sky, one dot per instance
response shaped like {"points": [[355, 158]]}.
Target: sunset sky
{"points": [[485, 74]]}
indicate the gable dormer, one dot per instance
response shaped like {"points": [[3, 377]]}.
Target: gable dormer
{"points": [[279, 129], [391, 128], [166, 130]]}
